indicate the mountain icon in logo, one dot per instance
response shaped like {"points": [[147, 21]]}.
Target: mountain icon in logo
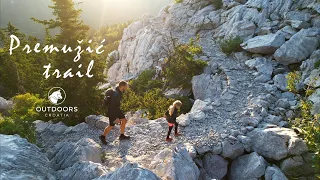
{"points": [[56, 95]]}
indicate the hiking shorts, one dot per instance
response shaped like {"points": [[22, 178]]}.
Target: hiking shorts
{"points": [[172, 124], [112, 118]]}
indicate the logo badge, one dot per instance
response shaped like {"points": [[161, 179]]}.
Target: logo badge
{"points": [[57, 95]]}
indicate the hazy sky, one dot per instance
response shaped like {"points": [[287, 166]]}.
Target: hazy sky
{"points": [[114, 11], [95, 12]]}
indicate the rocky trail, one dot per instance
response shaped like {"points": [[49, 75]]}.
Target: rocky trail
{"points": [[238, 127], [224, 117]]}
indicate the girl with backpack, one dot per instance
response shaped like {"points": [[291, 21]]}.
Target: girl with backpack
{"points": [[171, 116]]}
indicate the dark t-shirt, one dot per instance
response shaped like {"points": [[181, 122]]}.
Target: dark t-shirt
{"points": [[173, 117]]}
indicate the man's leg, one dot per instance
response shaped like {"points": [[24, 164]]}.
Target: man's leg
{"points": [[107, 130], [105, 133], [122, 129], [123, 125]]}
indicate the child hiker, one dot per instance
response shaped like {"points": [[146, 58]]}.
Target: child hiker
{"points": [[171, 116]]}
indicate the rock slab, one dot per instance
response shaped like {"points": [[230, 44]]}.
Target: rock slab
{"points": [[299, 47], [276, 143], [22, 160], [66, 154], [175, 164], [266, 44], [130, 171], [215, 166], [250, 166]]}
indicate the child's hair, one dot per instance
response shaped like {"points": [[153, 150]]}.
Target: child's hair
{"points": [[176, 104]]}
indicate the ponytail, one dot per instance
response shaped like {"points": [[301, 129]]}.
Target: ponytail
{"points": [[171, 110], [174, 106]]}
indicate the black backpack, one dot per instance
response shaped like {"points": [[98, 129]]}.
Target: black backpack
{"points": [[106, 101]]}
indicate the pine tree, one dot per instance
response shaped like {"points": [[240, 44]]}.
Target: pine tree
{"points": [[8, 72], [81, 92], [19, 73]]}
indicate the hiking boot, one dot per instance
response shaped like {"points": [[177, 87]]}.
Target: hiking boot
{"points": [[103, 139], [169, 139], [177, 134], [124, 137]]}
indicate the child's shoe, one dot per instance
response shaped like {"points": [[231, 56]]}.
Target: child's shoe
{"points": [[169, 139]]}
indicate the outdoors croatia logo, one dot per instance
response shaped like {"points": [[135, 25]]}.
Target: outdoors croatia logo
{"points": [[57, 95]]}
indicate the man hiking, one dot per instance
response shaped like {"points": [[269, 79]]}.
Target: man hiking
{"points": [[116, 116]]}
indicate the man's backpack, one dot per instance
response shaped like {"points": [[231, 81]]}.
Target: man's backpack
{"points": [[106, 101]]}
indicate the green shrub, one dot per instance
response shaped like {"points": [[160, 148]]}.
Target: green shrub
{"points": [[259, 9], [307, 124], [155, 103], [22, 116], [231, 45], [146, 93], [217, 4], [24, 107], [292, 79], [178, 1], [186, 104], [309, 128], [317, 64], [181, 65], [131, 101], [10, 126], [145, 82]]}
